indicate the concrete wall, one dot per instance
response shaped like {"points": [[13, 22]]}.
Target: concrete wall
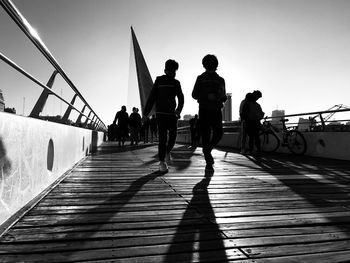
{"points": [[35, 153], [335, 145]]}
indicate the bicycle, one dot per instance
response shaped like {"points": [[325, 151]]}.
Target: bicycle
{"points": [[271, 138]]}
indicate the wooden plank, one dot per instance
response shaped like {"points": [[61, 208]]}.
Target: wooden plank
{"points": [[116, 207]]}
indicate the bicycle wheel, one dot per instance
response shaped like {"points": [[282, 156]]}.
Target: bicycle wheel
{"points": [[296, 142], [269, 141]]}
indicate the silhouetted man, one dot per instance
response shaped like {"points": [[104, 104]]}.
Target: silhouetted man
{"points": [[123, 120], [135, 126], [153, 126], [145, 129], [254, 114], [209, 90], [164, 93], [243, 120]]}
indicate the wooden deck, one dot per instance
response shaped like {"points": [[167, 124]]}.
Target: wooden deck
{"points": [[116, 207]]}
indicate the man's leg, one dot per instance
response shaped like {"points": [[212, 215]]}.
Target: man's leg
{"points": [[205, 132], [243, 136], [217, 128], [256, 136], [162, 127], [172, 127]]}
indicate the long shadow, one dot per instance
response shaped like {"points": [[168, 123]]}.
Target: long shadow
{"points": [[326, 193], [88, 218], [181, 157], [112, 147], [205, 240]]}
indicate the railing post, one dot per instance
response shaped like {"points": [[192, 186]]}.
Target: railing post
{"points": [[39, 105], [69, 109], [80, 116], [94, 125], [87, 119], [322, 122], [91, 124]]}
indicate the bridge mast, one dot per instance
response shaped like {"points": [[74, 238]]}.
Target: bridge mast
{"points": [[144, 78]]}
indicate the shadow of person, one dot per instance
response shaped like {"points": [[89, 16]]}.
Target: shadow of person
{"points": [[112, 147], [103, 215], [326, 192], [181, 157], [205, 241]]}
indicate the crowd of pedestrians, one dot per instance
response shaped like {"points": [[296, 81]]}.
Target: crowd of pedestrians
{"points": [[168, 100]]}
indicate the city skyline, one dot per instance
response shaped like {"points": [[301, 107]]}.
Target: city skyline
{"points": [[295, 52]]}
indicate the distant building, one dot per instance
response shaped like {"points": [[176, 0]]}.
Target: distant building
{"points": [[227, 109], [276, 121], [304, 124], [2, 101], [187, 117]]}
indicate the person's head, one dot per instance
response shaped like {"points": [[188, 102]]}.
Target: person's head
{"points": [[257, 94], [196, 116], [210, 62], [170, 67], [134, 109], [123, 108], [249, 97]]}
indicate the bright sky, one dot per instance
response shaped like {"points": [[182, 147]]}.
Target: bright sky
{"points": [[295, 51]]}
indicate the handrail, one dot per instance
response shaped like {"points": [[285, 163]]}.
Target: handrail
{"points": [[309, 113], [227, 125], [30, 32], [29, 76], [316, 113]]}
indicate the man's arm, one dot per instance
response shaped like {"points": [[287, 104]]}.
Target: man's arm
{"points": [[223, 95], [196, 90], [115, 118], [181, 101], [151, 99]]}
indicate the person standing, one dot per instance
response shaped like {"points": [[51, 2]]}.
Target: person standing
{"points": [[254, 115], [210, 93], [135, 126], [163, 94], [123, 120], [243, 117]]}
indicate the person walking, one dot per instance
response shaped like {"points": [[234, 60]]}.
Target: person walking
{"points": [[145, 129], [123, 120], [210, 92], [153, 126], [164, 92], [194, 127]]}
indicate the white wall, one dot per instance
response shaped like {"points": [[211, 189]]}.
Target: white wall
{"points": [[28, 164]]}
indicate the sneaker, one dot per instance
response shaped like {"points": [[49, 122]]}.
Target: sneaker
{"points": [[209, 167], [168, 158], [163, 167]]}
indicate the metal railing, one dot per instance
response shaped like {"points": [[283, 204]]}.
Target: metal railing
{"points": [[316, 121], [311, 124], [92, 120]]}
